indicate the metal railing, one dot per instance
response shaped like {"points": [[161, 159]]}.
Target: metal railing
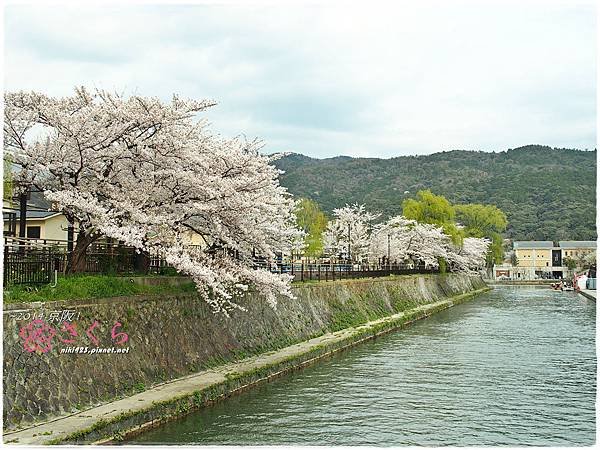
{"points": [[333, 272], [33, 267], [32, 261]]}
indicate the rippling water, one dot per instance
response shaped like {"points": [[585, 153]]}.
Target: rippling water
{"points": [[515, 366]]}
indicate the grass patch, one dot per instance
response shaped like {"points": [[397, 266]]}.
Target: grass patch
{"points": [[88, 286]]}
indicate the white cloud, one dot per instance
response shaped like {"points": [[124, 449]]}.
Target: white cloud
{"points": [[365, 81]]}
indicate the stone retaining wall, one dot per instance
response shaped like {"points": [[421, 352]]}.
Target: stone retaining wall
{"points": [[172, 336]]}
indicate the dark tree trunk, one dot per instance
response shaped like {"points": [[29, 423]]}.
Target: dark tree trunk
{"points": [[70, 236], [142, 262], [77, 259]]}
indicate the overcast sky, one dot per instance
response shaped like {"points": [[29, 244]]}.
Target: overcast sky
{"points": [[324, 81]]}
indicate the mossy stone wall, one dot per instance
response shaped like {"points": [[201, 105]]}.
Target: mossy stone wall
{"points": [[173, 336]]}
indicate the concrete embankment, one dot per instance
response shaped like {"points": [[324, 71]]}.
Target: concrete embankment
{"points": [[521, 282], [588, 293], [182, 357]]}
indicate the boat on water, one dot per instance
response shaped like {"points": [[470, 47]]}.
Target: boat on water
{"points": [[562, 286]]}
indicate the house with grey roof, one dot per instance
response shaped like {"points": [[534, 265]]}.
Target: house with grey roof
{"points": [[41, 221]]}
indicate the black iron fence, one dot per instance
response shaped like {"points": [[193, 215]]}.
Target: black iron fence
{"points": [[32, 261], [333, 272], [32, 267]]}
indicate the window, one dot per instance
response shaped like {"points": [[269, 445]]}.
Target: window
{"points": [[34, 232]]}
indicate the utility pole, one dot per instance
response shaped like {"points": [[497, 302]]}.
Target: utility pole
{"points": [[388, 259], [22, 219], [70, 239], [349, 256], [22, 214]]}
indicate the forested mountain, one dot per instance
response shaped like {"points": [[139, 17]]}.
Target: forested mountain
{"points": [[546, 193]]}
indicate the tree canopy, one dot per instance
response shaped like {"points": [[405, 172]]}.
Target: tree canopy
{"points": [[428, 208], [435, 210], [350, 231], [481, 220], [546, 193], [313, 221], [400, 240], [474, 220], [150, 174], [484, 221]]}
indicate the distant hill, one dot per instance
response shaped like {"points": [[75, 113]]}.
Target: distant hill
{"points": [[547, 193]]}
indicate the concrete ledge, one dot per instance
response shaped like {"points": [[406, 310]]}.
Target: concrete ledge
{"points": [[162, 280], [124, 418], [588, 293], [86, 302], [522, 282]]}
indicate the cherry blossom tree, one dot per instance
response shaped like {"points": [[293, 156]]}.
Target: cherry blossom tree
{"points": [[150, 174], [589, 259], [349, 231], [408, 241], [471, 256]]}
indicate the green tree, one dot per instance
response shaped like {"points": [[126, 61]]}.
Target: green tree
{"points": [[435, 210], [570, 263], [484, 221], [481, 220], [496, 251], [313, 221], [428, 208], [477, 220]]}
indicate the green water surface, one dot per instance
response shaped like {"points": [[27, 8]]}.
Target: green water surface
{"points": [[515, 366]]}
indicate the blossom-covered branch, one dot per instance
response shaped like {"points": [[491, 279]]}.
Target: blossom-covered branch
{"points": [[407, 241], [149, 174], [349, 232]]}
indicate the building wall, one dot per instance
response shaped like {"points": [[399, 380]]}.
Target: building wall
{"points": [[539, 258], [575, 253], [55, 228], [29, 223], [51, 228], [195, 239]]}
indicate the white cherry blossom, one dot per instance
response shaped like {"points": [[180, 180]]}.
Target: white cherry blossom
{"points": [[350, 229], [149, 173]]}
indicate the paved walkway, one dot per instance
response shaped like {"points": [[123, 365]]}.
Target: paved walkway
{"points": [[65, 425]]}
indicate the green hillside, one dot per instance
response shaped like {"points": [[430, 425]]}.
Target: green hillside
{"points": [[546, 193]]}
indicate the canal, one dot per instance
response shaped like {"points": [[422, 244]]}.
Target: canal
{"points": [[515, 366]]}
